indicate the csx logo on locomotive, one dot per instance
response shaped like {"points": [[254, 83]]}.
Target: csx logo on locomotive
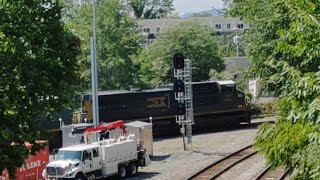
{"points": [[156, 102]]}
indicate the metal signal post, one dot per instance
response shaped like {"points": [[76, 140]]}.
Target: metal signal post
{"points": [[183, 94], [94, 76]]}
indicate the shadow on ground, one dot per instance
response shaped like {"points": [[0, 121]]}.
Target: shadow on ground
{"points": [[160, 158], [140, 175]]}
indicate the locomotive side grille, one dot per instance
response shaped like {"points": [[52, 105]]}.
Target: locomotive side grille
{"points": [[53, 171]]}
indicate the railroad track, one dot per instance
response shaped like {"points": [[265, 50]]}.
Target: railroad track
{"points": [[221, 166], [277, 174]]}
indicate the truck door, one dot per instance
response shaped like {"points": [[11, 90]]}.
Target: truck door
{"points": [[87, 160], [96, 160]]}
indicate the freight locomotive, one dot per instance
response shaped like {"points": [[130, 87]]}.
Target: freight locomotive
{"points": [[214, 102]]}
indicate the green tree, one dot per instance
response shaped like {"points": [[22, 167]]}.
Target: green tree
{"points": [[38, 70], [118, 41], [174, 15], [70, 8], [151, 9], [284, 47], [228, 47], [220, 76], [193, 40]]}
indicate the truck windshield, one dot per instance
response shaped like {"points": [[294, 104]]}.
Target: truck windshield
{"points": [[69, 155]]}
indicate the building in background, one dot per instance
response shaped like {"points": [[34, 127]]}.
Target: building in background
{"points": [[224, 25]]}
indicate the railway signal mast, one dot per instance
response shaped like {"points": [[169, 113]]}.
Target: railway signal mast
{"points": [[183, 94]]}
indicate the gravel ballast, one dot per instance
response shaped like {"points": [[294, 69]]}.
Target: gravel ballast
{"points": [[171, 162]]}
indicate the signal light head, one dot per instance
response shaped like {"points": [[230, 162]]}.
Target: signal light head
{"points": [[181, 109], [178, 86], [178, 61]]}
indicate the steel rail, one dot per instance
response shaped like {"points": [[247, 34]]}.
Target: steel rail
{"points": [[263, 173], [221, 166], [279, 173], [284, 175]]}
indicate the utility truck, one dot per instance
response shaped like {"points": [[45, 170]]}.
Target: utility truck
{"points": [[100, 159]]}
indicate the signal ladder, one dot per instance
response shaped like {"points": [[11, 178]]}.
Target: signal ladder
{"points": [[187, 78], [186, 120]]}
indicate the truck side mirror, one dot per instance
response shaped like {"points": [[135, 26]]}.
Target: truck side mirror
{"points": [[55, 151]]}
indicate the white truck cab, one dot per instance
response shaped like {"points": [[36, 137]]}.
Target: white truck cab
{"points": [[98, 160]]}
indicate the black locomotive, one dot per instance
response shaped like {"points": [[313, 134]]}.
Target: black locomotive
{"points": [[214, 103]]}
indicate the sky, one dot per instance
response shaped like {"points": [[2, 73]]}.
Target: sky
{"points": [[183, 6]]}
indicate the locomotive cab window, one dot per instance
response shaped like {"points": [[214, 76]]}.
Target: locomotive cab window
{"points": [[206, 87], [228, 88]]}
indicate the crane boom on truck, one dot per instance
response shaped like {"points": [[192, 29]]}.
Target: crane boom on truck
{"points": [[104, 128], [99, 159]]}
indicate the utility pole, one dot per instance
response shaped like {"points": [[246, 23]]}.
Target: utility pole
{"points": [[94, 79], [236, 39]]}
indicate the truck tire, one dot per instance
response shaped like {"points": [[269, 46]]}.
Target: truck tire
{"points": [[122, 172], [80, 176], [133, 169]]}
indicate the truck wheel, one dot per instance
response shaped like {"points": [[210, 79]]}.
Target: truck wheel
{"points": [[133, 169], [122, 172], [80, 176]]}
